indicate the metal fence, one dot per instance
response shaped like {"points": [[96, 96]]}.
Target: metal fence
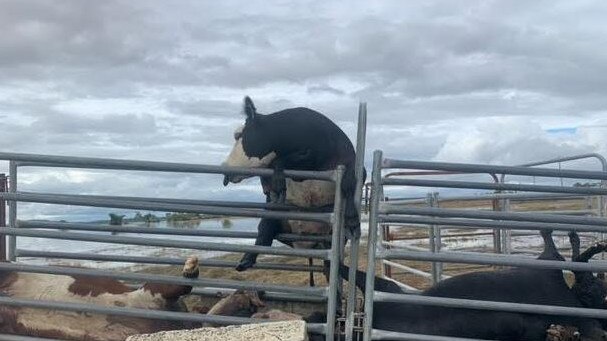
{"points": [[437, 235], [386, 212], [77, 232]]}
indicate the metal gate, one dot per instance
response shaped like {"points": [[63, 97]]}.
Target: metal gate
{"points": [[385, 212], [55, 230], [435, 235]]}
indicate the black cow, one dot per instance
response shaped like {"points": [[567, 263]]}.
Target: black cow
{"points": [[590, 290], [299, 139], [517, 285]]}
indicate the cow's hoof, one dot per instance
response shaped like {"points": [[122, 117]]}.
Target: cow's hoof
{"points": [[562, 333], [245, 264], [190, 268]]}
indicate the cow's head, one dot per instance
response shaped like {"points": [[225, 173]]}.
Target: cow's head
{"points": [[252, 147]]}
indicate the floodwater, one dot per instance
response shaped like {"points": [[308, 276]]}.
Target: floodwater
{"points": [[58, 245]]}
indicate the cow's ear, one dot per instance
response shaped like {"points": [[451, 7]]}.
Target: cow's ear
{"points": [[249, 108]]}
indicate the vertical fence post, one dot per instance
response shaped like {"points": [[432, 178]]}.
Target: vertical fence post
{"points": [[337, 221], [497, 233], [355, 240], [437, 239], [371, 244], [434, 239], [3, 188], [12, 210], [603, 203], [506, 233]]}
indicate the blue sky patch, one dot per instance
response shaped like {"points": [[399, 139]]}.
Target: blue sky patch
{"points": [[570, 130]]}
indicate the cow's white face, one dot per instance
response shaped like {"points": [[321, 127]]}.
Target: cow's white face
{"points": [[239, 158]]}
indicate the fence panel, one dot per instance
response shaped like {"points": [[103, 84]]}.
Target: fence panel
{"points": [[400, 211]]}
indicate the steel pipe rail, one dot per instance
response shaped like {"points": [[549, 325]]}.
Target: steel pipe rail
{"points": [[164, 261], [81, 200], [480, 168], [414, 271], [130, 312], [268, 295], [162, 231], [474, 224], [485, 259], [10, 337], [155, 278], [181, 244], [135, 165], [199, 202], [493, 196], [387, 210], [493, 186], [379, 334], [491, 305]]}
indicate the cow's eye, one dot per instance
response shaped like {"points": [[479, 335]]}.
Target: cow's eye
{"points": [[237, 135]]}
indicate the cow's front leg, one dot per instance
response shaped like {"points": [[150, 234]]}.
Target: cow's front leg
{"points": [[266, 232], [278, 185]]}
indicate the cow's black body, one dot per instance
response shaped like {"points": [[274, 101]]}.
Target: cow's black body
{"points": [[301, 139], [516, 285]]}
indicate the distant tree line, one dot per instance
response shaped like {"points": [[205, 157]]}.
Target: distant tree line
{"points": [[119, 219], [587, 184]]}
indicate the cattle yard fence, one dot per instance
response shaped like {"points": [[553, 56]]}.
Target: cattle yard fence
{"points": [[80, 232], [104, 233], [410, 215], [436, 235]]}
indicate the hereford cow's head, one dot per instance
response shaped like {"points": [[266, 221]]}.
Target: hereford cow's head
{"points": [[252, 148]]}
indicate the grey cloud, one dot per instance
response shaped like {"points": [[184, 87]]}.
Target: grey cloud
{"points": [[61, 123], [325, 88]]}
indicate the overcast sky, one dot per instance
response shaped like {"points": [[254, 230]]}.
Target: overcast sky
{"points": [[501, 82]]}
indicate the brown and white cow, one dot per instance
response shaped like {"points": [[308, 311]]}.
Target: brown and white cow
{"points": [[92, 290]]}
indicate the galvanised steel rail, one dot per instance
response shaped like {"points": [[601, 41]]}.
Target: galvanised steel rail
{"points": [[164, 279], [83, 200], [215, 263], [9, 337], [162, 231], [268, 295], [198, 202], [38, 160], [474, 224], [386, 212], [181, 244], [138, 312], [493, 186], [379, 334], [492, 196], [480, 168], [489, 259], [333, 216], [491, 305]]}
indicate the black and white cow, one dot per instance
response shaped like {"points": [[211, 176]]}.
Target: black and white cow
{"points": [[298, 139], [517, 285]]}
